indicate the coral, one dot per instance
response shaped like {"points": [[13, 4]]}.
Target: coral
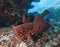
{"points": [[38, 26], [32, 29]]}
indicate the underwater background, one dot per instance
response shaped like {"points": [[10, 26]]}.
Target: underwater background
{"points": [[11, 12]]}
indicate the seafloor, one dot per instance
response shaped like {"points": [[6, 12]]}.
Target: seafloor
{"points": [[7, 38]]}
